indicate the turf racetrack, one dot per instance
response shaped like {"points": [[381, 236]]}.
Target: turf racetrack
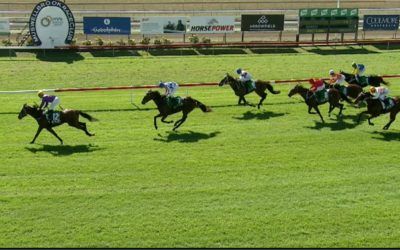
{"points": [[235, 177]]}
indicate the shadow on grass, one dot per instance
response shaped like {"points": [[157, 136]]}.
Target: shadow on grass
{"points": [[387, 47], [339, 124], [186, 137], [387, 136], [59, 56], [63, 150], [221, 51], [342, 51], [273, 50], [8, 53], [263, 115], [172, 52], [115, 53]]}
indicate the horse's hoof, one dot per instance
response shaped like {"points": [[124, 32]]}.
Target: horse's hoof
{"points": [[32, 142], [385, 128]]}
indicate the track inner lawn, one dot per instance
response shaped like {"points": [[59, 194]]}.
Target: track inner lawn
{"points": [[235, 177]]}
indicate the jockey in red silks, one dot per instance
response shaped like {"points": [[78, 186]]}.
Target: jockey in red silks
{"points": [[316, 85]]}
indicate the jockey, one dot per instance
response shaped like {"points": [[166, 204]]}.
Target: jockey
{"points": [[49, 99], [335, 78], [358, 70], [244, 75], [170, 87], [316, 85], [379, 93]]}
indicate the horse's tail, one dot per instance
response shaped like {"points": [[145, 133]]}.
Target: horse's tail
{"points": [[203, 107], [271, 89], [87, 116]]}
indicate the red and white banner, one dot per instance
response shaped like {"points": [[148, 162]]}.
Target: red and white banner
{"points": [[212, 24]]}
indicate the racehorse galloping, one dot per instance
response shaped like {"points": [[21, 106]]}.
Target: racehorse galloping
{"points": [[374, 108], [311, 100], [373, 80], [351, 90], [188, 104], [67, 116], [240, 89]]}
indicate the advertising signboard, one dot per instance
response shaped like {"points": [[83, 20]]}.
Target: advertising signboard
{"points": [[162, 25], [107, 25], [381, 22], [51, 24], [262, 22], [212, 24], [328, 21]]}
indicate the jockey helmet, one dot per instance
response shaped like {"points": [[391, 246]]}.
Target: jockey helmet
{"points": [[41, 94], [311, 80], [372, 90], [161, 84], [239, 71], [354, 65], [331, 72]]}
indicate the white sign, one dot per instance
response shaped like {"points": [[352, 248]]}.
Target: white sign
{"points": [[4, 26], [52, 24], [212, 24], [162, 25]]}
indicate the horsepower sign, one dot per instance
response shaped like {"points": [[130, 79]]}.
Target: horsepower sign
{"points": [[212, 24], [262, 22], [107, 25], [381, 22]]}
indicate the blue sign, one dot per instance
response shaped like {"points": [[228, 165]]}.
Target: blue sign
{"points": [[107, 25], [381, 22]]}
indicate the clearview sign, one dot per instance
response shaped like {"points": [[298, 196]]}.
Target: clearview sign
{"points": [[381, 22], [107, 25], [212, 24]]}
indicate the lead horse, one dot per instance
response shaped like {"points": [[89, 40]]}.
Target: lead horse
{"points": [[240, 89], [67, 116]]}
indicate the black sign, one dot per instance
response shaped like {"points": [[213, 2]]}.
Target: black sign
{"points": [[262, 22], [381, 22], [328, 21], [46, 21]]}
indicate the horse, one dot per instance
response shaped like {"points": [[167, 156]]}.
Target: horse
{"points": [[374, 109], [240, 89], [188, 104], [373, 80], [66, 116], [311, 100], [351, 90]]}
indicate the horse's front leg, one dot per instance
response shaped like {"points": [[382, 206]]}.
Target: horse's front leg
{"points": [[359, 117], [369, 120], [164, 121], [247, 103], [319, 113], [309, 110], [331, 108], [155, 120], [55, 134], [37, 134]]}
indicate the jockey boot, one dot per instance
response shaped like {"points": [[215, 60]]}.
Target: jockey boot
{"points": [[51, 115]]}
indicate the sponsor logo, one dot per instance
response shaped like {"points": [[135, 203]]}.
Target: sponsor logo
{"points": [[263, 20], [51, 20], [107, 21], [46, 21], [212, 28]]}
